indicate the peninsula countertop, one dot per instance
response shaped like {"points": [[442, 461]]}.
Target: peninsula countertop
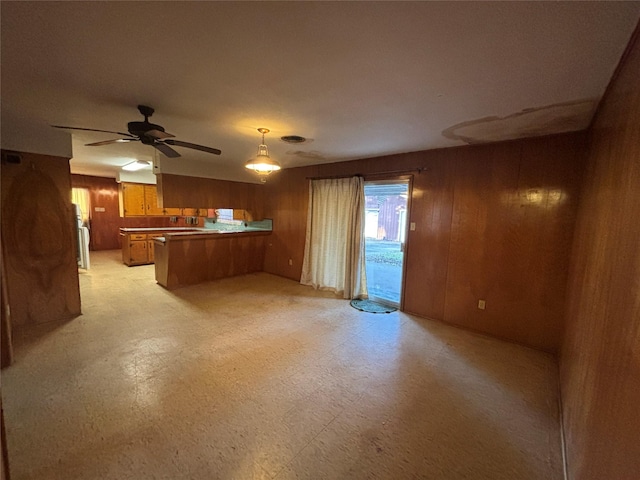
{"points": [[158, 229]]}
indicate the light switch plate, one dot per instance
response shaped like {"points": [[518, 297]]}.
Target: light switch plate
{"points": [[412, 226]]}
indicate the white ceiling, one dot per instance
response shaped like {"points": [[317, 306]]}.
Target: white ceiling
{"points": [[359, 79]]}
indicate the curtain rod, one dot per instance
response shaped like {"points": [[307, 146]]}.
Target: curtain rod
{"points": [[388, 172]]}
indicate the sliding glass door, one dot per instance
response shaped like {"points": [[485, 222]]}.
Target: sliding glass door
{"points": [[385, 234]]}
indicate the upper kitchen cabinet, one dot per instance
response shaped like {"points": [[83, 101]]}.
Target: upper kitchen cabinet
{"points": [[137, 200], [132, 200], [151, 201]]}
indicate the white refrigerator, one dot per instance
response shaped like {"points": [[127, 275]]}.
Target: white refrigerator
{"points": [[83, 239]]}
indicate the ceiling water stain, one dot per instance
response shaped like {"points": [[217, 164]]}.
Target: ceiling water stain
{"points": [[310, 155], [530, 122]]}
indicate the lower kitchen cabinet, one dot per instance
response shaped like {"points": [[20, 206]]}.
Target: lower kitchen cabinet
{"points": [[150, 251], [135, 249]]}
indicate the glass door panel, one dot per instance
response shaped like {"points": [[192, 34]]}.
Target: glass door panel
{"points": [[385, 233]]}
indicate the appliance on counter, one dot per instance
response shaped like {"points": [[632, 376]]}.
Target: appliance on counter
{"points": [[83, 239]]}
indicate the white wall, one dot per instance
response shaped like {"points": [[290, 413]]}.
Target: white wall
{"points": [[26, 136]]}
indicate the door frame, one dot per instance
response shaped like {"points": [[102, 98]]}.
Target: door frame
{"points": [[387, 178]]}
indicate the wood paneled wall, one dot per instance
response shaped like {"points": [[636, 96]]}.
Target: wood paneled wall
{"points": [[493, 222], [39, 240], [105, 225], [195, 192], [600, 360]]}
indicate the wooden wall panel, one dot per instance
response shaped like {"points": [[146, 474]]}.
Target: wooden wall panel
{"points": [[484, 261], [431, 210], [512, 227], [39, 240], [192, 260], [492, 221], [600, 360], [194, 192], [287, 202]]}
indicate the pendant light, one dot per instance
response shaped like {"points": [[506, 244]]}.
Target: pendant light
{"points": [[262, 164]]}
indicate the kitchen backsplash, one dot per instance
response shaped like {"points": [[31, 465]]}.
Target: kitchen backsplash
{"points": [[238, 225]]}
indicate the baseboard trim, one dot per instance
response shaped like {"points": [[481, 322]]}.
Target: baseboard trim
{"points": [[563, 442]]}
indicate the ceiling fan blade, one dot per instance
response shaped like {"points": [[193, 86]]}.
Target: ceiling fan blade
{"points": [[95, 130], [167, 150], [202, 148], [108, 142], [158, 134]]}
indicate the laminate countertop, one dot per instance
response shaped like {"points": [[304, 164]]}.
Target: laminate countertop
{"points": [[158, 229], [209, 233]]}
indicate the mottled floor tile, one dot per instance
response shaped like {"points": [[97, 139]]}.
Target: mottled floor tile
{"points": [[258, 377]]}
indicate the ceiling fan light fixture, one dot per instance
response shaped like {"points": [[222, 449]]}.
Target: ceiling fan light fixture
{"points": [[137, 165], [263, 164]]}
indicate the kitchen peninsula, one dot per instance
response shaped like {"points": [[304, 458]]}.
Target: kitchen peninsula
{"points": [[187, 258]]}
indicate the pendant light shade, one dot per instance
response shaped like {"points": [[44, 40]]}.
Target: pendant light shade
{"points": [[262, 164]]}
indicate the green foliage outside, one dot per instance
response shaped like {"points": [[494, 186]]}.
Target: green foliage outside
{"points": [[389, 258]]}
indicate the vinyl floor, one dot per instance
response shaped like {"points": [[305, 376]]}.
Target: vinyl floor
{"points": [[259, 377]]}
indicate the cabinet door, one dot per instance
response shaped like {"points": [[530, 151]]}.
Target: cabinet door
{"points": [[132, 199], [138, 252], [172, 212], [151, 201], [150, 251]]}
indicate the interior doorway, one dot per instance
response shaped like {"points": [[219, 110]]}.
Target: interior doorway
{"points": [[385, 231]]}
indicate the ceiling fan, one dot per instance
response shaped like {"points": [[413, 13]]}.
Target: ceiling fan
{"points": [[147, 133]]}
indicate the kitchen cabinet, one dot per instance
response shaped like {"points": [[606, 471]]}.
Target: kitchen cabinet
{"points": [[132, 201], [151, 201], [135, 249], [138, 200], [150, 248], [138, 245], [194, 212], [172, 212]]}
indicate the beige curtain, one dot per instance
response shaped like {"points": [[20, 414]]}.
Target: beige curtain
{"points": [[81, 197], [334, 248]]}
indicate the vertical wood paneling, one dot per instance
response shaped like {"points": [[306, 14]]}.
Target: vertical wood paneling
{"points": [[512, 225], [192, 260], [39, 240], [187, 192], [493, 222], [484, 261], [105, 225], [287, 202], [600, 361], [427, 253]]}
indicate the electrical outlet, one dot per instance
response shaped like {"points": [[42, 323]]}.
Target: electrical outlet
{"points": [[290, 262], [412, 226], [482, 304]]}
